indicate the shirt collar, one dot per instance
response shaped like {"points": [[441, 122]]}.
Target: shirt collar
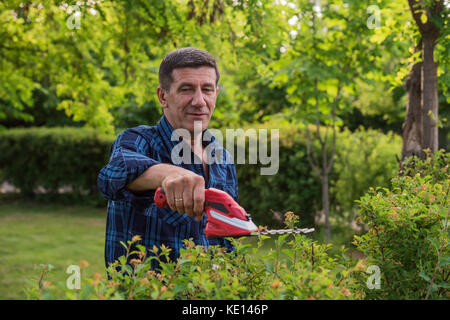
{"points": [[167, 132]]}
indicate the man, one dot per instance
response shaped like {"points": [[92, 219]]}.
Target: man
{"points": [[142, 159]]}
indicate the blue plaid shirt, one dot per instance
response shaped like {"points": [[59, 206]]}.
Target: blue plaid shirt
{"points": [[131, 213]]}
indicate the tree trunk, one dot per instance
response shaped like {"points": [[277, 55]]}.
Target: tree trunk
{"points": [[412, 130], [326, 206], [429, 92], [429, 32]]}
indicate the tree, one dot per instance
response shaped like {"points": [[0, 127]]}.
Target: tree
{"points": [[420, 129], [98, 61], [330, 50]]}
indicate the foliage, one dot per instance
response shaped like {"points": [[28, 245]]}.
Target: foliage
{"points": [[297, 268], [293, 188], [98, 60], [374, 156], [363, 159], [407, 240], [103, 72], [435, 165], [53, 158], [408, 233]]}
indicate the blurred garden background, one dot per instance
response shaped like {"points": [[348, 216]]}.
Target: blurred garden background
{"points": [[349, 84]]}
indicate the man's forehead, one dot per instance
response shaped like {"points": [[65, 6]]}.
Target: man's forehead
{"points": [[201, 74]]}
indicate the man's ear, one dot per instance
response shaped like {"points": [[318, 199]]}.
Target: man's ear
{"points": [[162, 96]]}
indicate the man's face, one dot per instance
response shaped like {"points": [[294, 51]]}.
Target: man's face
{"points": [[192, 97]]}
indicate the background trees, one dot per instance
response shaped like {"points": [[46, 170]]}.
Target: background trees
{"points": [[335, 64]]}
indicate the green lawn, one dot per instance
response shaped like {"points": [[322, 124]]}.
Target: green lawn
{"points": [[33, 234]]}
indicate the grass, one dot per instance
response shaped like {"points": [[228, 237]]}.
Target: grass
{"points": [[33, 234]]}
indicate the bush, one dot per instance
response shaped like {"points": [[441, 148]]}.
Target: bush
{"points": [[57, 157], [407, 241], [297, 268], [363, 158], [408, 231], [53, 158], [293, 188]]}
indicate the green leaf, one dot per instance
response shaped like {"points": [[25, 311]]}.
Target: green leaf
{"points": [[434, 242], [423, 17], [122, 260], [444, 261], [282, 240], [141, 248], [86, 291], [184, 261], [268, 265], [424, 276], [444, 285]]}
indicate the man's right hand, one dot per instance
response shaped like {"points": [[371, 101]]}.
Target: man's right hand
{"points": [[185, 190], [185, 193]]}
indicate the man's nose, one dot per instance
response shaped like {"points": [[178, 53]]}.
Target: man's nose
{"points": [[198, 99]]}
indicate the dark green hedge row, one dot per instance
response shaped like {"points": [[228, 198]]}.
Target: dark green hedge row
{"points": [[71, 157], [53, 158], [363, 159], [294, 187], [56, 157]]}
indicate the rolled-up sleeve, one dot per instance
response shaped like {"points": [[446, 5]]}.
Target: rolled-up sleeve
{"points": [[128, 160]]}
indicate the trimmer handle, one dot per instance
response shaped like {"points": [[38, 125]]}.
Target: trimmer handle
{"points": [[225, 217], [160, 198], [210, 194]]}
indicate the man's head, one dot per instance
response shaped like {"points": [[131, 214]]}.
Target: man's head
{"points": [[184, 58], [187, 91]]}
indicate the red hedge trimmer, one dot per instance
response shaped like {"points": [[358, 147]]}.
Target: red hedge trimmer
{"points": [[225, 217]]}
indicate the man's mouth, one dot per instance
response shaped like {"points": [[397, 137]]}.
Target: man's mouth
{"points": [[196, 114]]}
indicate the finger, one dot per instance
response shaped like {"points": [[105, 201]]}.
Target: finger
{"points": [[179, 204], [188, 196], [178, 195], [168, 187], [199, 198]]}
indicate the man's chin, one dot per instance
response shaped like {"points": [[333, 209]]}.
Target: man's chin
{"points": [[198, 125]]}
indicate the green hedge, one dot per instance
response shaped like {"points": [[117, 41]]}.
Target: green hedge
{"points": [[292, 188], [406, 256], [52, 158], [363, 159], [408, 233], [56, 157]]}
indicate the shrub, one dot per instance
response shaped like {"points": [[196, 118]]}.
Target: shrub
{"points": [[57, 157], [296, 268], [408, 231], [407, 240], [363, 158], [293, 188], [52, 158]]}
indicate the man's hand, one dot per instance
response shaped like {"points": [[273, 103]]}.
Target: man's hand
{"points": [[185, 193], [185, 190]]}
